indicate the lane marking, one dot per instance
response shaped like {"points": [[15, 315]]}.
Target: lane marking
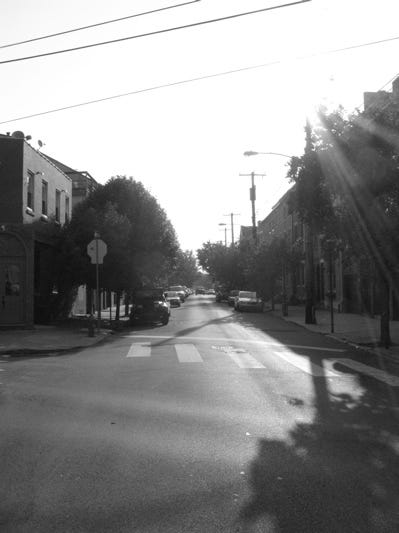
{"points": [[188, 353], [305, 365], [139, 350], [376, 373], [245, 341], [244, 360], [241, 357]]}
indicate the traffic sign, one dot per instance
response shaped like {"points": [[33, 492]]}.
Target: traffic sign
{"points": [[97, 249]]}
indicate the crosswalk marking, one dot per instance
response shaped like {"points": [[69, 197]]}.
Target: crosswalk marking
{"points": [[139, 350], [239, 341], [188, 353], [305, 364], [370, 371]]}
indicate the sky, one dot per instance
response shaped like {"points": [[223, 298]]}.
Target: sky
{"points": [[185, 141]]}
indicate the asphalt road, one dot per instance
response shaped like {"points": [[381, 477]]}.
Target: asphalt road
{"points": [[218, 422]]}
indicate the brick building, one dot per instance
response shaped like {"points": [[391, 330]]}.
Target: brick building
{"points": [[35, 200], [284, 224]]}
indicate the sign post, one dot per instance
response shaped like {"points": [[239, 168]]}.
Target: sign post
{"points": [[97, 249]]}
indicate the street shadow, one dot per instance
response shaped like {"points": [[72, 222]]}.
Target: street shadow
{"points": [[339, 474]]}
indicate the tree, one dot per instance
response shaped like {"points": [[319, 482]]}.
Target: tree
{"points": [[185, 270], [225, 265], [313, 200], [367, 178], [347, 186], [142, 244]]}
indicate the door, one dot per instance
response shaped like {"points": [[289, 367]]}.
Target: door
{"points": [[11, 291]]}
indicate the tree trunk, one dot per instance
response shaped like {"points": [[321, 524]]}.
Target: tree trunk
{"points": [[118, 305], [310, 317], [385, 336]]}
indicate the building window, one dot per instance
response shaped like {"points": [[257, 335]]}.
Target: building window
{"points": [[66, 208], [31, 190], [57, 205], [44, 197]]}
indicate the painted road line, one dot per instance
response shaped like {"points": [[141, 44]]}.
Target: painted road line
{"points": [[376, 373], [245, 341], [305, 364], [139, 350], [188, 353], [243, 359]]}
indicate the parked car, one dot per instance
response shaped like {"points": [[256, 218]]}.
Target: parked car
{"points": [[180, 290], [173, 298], [248, 301], [199, 290], [150, 306], [231, 297], [210, 291]]}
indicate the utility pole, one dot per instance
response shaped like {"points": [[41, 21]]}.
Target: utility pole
{"points": [[225, 232], [252, 197], [232, 215]]}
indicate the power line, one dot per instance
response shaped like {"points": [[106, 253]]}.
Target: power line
{"points": [[97, 24], [157, 32], [198, 78], [389, 82]]}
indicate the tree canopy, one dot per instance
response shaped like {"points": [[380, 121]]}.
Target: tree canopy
{"points": [[141, 241], [347, 186]]}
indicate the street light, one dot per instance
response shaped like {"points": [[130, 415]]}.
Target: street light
{"points": [[252, 152]]}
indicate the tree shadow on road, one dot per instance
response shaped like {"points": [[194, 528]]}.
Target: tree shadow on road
{"points": [[339, 474]]}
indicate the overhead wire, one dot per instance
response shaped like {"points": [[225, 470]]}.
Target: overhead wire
{"points": [[9, 45], [204, 77], [152, 33]]}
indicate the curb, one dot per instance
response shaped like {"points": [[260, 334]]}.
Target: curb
{"points": [[389, 357], [20, 352]]}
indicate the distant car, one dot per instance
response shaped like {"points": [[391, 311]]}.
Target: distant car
{"points": [[248, 301], [180, 290], [150, 306], [186, 291], [173, 298], [231, 297], [210, 291], [199, 290]]}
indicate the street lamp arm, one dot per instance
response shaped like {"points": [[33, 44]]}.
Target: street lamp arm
{"points": [[251, 152]]}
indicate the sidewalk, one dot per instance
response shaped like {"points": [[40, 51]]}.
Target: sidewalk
{"points": [[47, 339], [44, 339], [358, 330]]}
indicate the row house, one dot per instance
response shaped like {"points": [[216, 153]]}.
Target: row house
{"points": [[37, 197], [84, 184], [33, 193], [283, 223]]}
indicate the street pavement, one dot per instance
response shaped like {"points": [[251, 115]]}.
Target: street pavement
{"points": [[351, 328], [219, 422]]}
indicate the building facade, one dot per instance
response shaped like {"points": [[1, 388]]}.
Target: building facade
{"points": [[35, 201], [284, 224]]}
